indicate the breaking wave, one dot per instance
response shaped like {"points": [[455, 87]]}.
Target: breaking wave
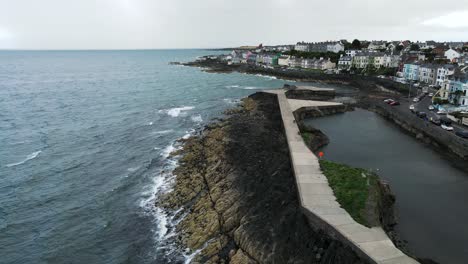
{"points": [[176, 111], [29, 157]]}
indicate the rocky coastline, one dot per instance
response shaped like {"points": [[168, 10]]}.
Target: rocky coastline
{"points": [[236, 187], [240, 200]]}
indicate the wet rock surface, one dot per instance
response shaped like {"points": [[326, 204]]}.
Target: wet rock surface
{"points": [[236, 185]]}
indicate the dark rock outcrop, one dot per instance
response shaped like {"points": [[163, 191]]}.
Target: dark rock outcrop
{"points": [[306, 94], [236, 183]]}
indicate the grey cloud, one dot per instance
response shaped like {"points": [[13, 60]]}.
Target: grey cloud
{"points": [[113, 24]]}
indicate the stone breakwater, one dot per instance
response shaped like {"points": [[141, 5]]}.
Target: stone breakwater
{"points": [[237, 190]]}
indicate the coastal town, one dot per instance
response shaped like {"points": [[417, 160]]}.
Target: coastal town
{"points": [[437, 72]]}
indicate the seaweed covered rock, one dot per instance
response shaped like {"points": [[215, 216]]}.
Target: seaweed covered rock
{"points": [[236, 187]]}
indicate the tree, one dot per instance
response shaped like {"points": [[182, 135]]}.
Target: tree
{"points": [[414, 47], [356, 44]]}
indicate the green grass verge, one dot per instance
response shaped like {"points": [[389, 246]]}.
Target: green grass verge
{"points": [[352, 188], [306, 136]]}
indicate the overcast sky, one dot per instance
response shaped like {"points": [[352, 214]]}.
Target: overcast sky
{"points": [[140, 24]]}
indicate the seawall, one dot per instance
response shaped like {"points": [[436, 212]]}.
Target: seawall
{"points": [[317, 200]]}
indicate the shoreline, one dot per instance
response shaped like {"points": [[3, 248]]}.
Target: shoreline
{"points": [[240, 201], [210, 193], [371, 92]]}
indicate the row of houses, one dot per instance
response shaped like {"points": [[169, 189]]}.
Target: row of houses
{"points": [[277, 59], [364, 59], [328, 46], [452, 79], [455, 89], [315, 63]]}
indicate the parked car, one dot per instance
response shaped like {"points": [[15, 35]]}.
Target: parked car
{"points": [[411, 107], [446, 127], [435, 121], [431, 107], [462, 134], [441, 112], [394, 103], [431, 94], [388, 100], [421, 114], [416, 100]]}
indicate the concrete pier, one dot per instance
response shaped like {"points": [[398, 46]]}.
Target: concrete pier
{"points": [[318, 201]]}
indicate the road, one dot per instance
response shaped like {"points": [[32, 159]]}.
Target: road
{"points": [[423, 106]]}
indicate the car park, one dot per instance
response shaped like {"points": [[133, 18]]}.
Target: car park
{"points": [[446, 127], [462, 133], [421, 114], [435, 121]]}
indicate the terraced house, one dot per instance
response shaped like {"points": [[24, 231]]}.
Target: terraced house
{"points": [[443, 73], [328, 46], [360, 60], [455, 89], [428, 73], [411, 71]]}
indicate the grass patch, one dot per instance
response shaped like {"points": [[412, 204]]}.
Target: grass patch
{"points": [[306, 136], [352, 188]]}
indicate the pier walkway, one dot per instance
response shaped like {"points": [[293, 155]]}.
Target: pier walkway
{"points": [[318, 201]]}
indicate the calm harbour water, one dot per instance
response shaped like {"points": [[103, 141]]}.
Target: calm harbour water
{"points": [[431, 194]]}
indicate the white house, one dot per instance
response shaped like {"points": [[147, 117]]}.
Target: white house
{"points": [[345, 62], [391, 60], [351, 52], [302, 46], [428, 73], [295, 62], [361, 60], [335, 47], [283, 60], [325, 64], [377, 45], [379, 59], [452, 54], [444, 72]]}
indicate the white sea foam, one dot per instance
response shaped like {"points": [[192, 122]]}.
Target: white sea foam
{"points": [[133, 169], [189, 256], [231, 100], [167, 151], [251, 88], [164, 220], [197, 118], [266, 76], [29, 157], [162, 132], [176, 111], [232, 86], [150, 123]]}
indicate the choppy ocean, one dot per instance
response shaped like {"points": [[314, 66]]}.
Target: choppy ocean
{"points": [[85, 138]]}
